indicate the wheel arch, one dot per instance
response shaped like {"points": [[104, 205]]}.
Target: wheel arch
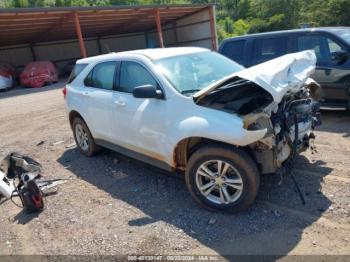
{"points": [[72, 115], [187, 146]]}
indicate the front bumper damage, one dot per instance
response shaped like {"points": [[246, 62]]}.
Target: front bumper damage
{"points": [[290, 131], [277, 96]]}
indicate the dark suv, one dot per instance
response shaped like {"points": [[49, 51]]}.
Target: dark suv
{"points": [[331, 44]]}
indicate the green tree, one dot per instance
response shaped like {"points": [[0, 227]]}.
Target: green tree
{"points": [[6, 3], [21, 3], [235, 9], [326, 13], [267, 9], [227, 27], [45, 3]]}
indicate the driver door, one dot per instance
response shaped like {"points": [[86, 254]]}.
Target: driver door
{"points": [[139, 123], [328, 72]]}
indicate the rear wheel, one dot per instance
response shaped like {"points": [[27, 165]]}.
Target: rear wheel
{"points": [[222, 178], [83, 138]]}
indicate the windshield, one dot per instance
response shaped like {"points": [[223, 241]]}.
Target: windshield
{"points": [[343, 33], [192, 72]]}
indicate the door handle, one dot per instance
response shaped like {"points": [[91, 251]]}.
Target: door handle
{"points": [[86, 93], [120, 103]]}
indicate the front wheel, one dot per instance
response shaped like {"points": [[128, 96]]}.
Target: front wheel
{"points": [[222, 178]]}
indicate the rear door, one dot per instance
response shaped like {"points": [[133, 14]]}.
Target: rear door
{"points": [[98, 92]]}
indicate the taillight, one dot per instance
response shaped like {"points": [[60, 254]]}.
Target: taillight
{"points": [[64, 91]]}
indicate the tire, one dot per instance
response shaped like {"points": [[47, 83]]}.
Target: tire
{"points": [[90, 148], [240, 181]]}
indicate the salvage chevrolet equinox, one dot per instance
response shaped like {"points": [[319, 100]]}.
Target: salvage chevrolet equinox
{"points": [[197, 112]]}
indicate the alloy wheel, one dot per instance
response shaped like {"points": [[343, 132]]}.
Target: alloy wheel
{"points": [[219, 182], [82, 137]]}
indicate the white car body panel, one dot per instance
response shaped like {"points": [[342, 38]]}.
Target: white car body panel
{"points": [[154, 127]]}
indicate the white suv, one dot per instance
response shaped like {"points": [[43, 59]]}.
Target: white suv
{"points": [[194, 111]]}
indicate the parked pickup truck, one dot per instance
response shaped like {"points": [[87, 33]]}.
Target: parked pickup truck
{"points": [[197, 112]]}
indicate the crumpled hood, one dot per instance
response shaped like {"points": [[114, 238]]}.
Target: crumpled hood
{"points": [[278, 76]]}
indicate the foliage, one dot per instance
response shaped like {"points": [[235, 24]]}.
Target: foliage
{"points": [[227, 27], [272, 15]]}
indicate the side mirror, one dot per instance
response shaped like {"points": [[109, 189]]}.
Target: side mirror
{"points": [[340, 56], [147, 91]]}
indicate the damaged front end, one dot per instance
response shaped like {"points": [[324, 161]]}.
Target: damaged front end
{"points": [[289, 129], [283, 102]]}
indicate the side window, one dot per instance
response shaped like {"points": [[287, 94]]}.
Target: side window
{"points": [[269, 48], [322, 45], [132, 75], [102, 76], [75, 72], [314, 42], [333, 46], [234, 50]]}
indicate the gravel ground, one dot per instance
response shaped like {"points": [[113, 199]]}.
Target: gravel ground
{"points": [[115, 205]]}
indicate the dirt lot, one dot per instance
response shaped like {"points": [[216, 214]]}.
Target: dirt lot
{"points": [[115, 205]]}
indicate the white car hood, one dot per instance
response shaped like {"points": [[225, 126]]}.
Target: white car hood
{"points": [[278, 76]]}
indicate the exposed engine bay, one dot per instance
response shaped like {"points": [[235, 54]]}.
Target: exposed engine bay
{"points": [[289, 124], [285, 104]]}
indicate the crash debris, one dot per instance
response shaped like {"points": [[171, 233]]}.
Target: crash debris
{"points": [[20, 176]]}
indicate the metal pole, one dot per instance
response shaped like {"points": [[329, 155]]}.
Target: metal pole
{"points": [[146, 39], [99, 45], [212, 27], [175, 34], [33, 52], [80, 35], [159, 29]]}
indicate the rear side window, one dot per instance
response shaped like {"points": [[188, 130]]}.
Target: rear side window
{"points": [[269, 48], [76, 71], [102, 76], [234, 50]]}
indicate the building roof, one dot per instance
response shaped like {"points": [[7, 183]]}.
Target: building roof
{"points": [[151, 53], [32, 25]]}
